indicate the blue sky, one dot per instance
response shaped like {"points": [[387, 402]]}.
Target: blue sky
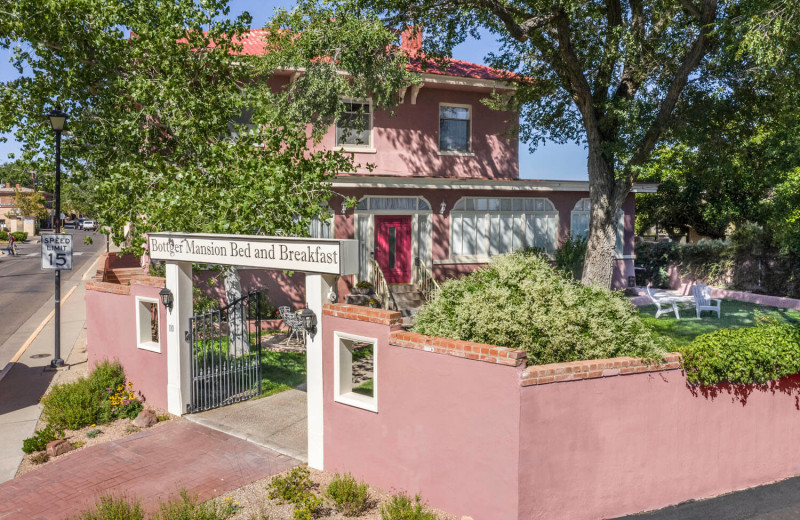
{"points": [[551, 161]]}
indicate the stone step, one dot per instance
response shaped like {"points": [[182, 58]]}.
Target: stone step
{"points": [[399, 288], [409, 297]]}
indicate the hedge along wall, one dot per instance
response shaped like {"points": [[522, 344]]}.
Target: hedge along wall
{"points": [[111, 334], [478, 434]]}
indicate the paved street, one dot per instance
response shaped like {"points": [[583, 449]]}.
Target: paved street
{"points": [[25, 287]]}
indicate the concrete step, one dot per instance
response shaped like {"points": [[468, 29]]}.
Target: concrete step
{"points": [[399, 288]]}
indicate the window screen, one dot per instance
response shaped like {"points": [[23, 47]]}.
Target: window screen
{"points": [[453, 129], [354, 127]]}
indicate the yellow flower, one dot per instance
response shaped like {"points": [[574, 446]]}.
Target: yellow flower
{"points": [[236, 503], [130, 384], [92, 426], [228, 498]]}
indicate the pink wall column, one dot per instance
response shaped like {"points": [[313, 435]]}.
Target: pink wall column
{"points": [[111, 335], [613, 446], [446, 427]]}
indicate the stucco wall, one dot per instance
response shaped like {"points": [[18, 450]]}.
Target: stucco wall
{"points": [[612, 446], [111, 334], [446, 427]]}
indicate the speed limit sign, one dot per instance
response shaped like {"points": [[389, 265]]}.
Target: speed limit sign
{"points": [[57, 252]]}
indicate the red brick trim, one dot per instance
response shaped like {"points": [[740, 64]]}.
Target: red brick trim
{"points": [[459, 348], [360, 313], [106, 287], [152, 281], [596, 368]]}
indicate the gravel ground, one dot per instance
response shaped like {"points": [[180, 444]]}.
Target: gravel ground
{"points": [[254, 503]]}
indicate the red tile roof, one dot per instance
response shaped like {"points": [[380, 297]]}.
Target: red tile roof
{"points": [[253, 45]]}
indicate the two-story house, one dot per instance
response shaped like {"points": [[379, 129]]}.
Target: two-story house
{"points": [[446, 193]]}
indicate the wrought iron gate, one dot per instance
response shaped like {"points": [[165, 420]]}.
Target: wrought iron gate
{"points": [[226, 353]]}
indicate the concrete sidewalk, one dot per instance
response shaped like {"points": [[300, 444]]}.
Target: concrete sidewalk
{"points": [[25, 379], [151, 466]]}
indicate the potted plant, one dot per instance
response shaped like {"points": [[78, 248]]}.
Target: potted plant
{"points": [[372, 302], [363, 287]]}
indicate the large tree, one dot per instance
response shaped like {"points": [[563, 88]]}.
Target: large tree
{"points": [[605, 72]]}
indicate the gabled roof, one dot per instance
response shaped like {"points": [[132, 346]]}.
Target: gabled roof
{"points": [[253, 45]]}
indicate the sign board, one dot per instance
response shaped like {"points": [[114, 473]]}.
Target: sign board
{"points": [[57, 251], [324, 256]]}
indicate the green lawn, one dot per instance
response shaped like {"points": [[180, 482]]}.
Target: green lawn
{"points": [[365, 388], [281, 371], [735, 314]]}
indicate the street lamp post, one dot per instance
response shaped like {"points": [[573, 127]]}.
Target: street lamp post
{"points": [[57, 121]]}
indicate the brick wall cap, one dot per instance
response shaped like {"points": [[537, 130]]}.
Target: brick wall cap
{"points": [[360, 313], [459, 348], [596, 368]]}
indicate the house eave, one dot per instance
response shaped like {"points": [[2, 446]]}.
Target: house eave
{"points": [[442, 183]]}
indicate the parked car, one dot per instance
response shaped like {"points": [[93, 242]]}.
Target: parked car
{"points": [[89, 225]]}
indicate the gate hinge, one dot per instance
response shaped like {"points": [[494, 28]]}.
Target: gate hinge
{"points": [[186, 335]]}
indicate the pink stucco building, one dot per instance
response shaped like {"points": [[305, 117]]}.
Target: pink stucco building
{"points": [[445, 192]]}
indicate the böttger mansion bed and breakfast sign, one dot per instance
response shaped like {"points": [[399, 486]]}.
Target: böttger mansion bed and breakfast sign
{"points": [[326, 256]]}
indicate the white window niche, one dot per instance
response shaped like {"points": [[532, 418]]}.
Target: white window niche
{"points": [[355, 371], [148, 328]]}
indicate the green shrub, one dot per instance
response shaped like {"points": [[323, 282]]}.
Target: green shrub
{"points": [[295, 488], [655, 258], [93, 433], [71, 405], [40, 439], [401, 507], [188, 508], [4, 236], [349, 495], [20, 236], [85, 401], [570, 256], [111, 508], [40, 458], [520, 301], [758, 354]]}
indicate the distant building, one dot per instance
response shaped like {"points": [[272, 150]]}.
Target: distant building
{"points": [[8, 210]]}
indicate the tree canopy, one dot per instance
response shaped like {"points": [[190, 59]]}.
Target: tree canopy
{"points": [[171, 125]]}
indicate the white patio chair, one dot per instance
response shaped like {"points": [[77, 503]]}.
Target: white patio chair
{"points": [[704, 302], [293, 321], [669, 303]]}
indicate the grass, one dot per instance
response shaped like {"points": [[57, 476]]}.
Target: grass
{"points": [[735, 314], [281, 371], [365, 388]]}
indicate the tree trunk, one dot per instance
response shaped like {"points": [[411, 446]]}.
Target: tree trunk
{"points": [[238, 337], [606, 197]]}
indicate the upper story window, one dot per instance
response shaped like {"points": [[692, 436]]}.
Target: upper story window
{"points": [[484, 227], [402, 204], [354, 127], [579, 223], [454, 128]]}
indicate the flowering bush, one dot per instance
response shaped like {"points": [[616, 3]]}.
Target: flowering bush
{"points": [[123, 402]]}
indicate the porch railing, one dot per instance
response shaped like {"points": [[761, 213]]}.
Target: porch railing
{"points": [[380, 286], [425, 281]]}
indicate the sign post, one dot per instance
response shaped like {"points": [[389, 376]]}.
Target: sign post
{"points": [[57, 256]]}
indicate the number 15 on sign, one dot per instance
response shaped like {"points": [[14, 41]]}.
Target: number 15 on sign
{"points": [[56, 252]]}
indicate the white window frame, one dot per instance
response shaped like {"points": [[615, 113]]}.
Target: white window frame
{"points": [[469, 152], [342, 393], [318, 221], [486, 222], [143, 325], [358, 148]]}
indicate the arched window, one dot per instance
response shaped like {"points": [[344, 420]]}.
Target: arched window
{"points": [[579, 223], [481, 227]]}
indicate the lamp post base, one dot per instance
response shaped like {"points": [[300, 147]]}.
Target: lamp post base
{"points": [[57, 362]]}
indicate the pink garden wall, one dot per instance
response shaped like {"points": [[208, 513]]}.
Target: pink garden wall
{"points": [[478, 434], [446, 426], [111, 335]]}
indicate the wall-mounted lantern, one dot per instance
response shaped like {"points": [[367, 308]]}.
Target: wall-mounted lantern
{"points": [[166, 298], [344, 207], [309, 320], [442, 207]]}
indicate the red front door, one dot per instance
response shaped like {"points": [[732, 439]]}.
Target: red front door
{"points": [[393, 247]]}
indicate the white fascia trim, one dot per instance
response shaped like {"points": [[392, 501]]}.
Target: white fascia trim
{"points": [[456, 81], [440, 183]]}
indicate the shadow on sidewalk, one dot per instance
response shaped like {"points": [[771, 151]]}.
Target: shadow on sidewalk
{"points": [[23, 386]]}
